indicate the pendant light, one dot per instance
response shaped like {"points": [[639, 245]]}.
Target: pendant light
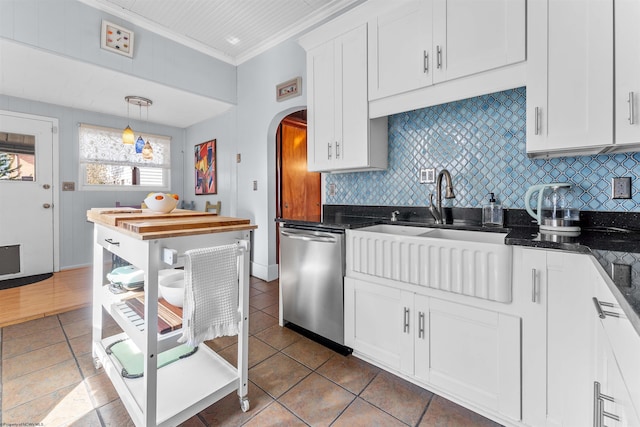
{"points": [[128, 136]]}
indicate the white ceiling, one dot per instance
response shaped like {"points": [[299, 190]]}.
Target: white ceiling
{"points": [[205, 25], [209, 25]]}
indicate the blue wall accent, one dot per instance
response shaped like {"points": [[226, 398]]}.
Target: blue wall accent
{"points": [[481, 141]]}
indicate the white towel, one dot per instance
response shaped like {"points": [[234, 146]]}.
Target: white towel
{"points": [[210, 307]]}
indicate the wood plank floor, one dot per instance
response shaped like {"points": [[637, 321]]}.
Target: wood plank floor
{"points": [[66, 290]]}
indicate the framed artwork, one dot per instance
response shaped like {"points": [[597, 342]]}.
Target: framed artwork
{"points": [[116, 39], [289, 89], [206, 168]]}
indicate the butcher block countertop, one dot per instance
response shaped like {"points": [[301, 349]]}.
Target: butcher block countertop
{"points": [[145, 224]]}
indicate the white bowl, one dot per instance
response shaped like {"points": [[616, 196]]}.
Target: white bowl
{"points": [[160, 203], [173, 292]]}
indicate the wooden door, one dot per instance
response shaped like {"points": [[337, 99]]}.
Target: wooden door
{"points": [[300, 189]]}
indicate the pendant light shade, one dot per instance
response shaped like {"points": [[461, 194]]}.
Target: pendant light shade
{"points": [[139, 145], [147, 151], [127, 136]]}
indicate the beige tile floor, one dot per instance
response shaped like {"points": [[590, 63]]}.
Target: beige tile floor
{"points": [[48, 377]]}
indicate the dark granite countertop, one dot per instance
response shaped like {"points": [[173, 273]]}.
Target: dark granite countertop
{"points": [[610, 237]]}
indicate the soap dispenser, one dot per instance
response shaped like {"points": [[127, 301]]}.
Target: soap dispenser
{"points": [[492, 215]]}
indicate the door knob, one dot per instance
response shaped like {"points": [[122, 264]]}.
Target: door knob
{"points": [[46, 205], [286, 205], [46, 186]]}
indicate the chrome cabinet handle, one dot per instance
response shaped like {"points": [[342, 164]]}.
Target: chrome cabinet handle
{"points": [[337, 150], [598, 406], [406, 320], [425, 62], [536, 122], [439, 53], [601, 313], [420, 324], [112, 242], [631, 109], [534, 291], [329, 150]]}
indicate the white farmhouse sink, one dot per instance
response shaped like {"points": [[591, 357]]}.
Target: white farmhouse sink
{"points": [[399, 230], [465, 235], [473, 263]]}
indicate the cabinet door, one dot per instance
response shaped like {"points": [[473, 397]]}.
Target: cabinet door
{"points": [[475, 354], [377, 323], [569, 75], [627, 69], [400, 55], [530, 277], [611, 398], [569, 333], [352, 109], [621, 336], [421, 337], [321, 111], [471, 36]]}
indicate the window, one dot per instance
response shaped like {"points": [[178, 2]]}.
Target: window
{"points": [[107, 163], [17, 156]]}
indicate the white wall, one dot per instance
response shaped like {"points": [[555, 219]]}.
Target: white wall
{"points": [[75, 232], [258, 117], [223, 130], [72, 29]]}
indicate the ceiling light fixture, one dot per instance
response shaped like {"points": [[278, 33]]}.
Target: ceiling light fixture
{"points": [[232, 40], [128, 136]]}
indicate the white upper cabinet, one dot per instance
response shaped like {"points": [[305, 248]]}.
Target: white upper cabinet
{"points": [[400, 49], [422, 42], [569, 76], [627, 71], [340, 135], [471, 36]]}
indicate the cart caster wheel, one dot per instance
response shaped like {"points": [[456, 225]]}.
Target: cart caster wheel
{"points": [[244, 404], [96, 363]]}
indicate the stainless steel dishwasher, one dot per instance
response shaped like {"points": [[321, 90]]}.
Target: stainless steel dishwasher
{"points": [[312, 279]]}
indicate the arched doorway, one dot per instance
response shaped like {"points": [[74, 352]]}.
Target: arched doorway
{"points": [[298, 192]]}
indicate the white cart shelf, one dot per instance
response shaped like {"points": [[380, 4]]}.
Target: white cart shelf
{"points": [[176, 392]]}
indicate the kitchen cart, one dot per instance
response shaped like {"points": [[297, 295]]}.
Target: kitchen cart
{"points": [[149, 241]]}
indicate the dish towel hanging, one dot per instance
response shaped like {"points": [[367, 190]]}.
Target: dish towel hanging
{"points": [[210, 308]]}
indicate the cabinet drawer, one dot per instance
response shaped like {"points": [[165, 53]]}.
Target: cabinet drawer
{"points": [[126, 247]]}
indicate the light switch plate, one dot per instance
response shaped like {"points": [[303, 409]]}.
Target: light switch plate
{"points": [[68, 186], [621, 187], [427, 176]]}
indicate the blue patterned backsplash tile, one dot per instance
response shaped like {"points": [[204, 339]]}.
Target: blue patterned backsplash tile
{"points": [[481, 141]]}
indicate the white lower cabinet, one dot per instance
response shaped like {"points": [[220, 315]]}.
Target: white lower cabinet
{"points": [[616, 386], [470, 353], [612, 401], [558, 333]]}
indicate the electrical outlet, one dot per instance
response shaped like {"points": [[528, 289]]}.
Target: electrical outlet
{"points": [[332, 189], [427, 176], [68, 186], [621, 187]]}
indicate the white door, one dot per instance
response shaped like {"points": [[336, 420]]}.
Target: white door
{"points": [[26, 201]]}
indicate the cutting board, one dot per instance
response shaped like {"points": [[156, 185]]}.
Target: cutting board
{"points": [[114, 216], [180, 223]]}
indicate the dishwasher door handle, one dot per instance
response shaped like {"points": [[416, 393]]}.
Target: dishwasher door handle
{"points": [[308, 237]]}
